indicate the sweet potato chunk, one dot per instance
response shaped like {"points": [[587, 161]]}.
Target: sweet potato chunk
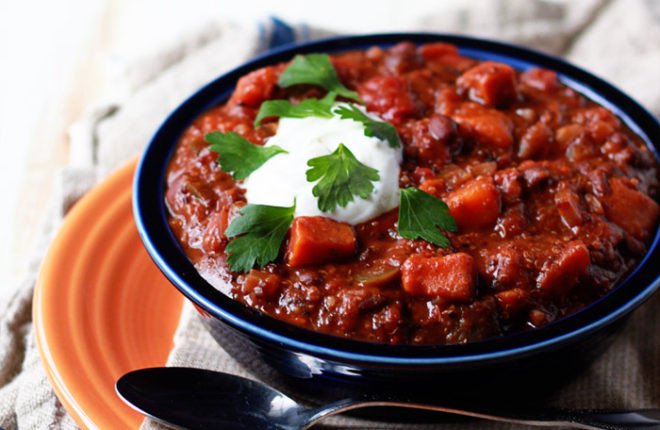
{"points": [[558, 276], [315, 239], [489, 83], [487, 126], [451, 277], [634, 212], [475, 205]]}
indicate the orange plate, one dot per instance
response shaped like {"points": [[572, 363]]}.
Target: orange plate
{"points": [[101, 306]]}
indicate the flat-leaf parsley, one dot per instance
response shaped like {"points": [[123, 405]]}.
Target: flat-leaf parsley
{"points": [[341, 177], [421, 215], [315, 69], [238, 155], [263, 228], [372, 128], [308, 107]]}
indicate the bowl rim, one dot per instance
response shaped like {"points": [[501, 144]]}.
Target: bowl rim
{"points": [[151, 219]]}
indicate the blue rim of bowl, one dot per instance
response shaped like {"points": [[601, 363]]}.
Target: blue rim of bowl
{"points": [[151, 219]]}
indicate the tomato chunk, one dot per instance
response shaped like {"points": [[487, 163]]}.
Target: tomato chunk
{"points": [[433, 187], [596, 114], [634, 212], [558, 276], [489, 83], [253, 88], [316, 239], [262, 283], [512, 301], [451, 277], [391, 97], [540, 79], [431, 51], [476, 204]]}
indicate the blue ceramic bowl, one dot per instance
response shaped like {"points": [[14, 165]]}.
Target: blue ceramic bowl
{"points": [[330, 364]]}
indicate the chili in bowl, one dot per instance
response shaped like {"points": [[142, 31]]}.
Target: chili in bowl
{"points": [[422, 203]]}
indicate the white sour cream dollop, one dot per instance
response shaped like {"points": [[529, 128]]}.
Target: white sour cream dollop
{"points": [[281, 180]]}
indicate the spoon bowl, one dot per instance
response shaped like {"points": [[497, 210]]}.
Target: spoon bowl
{"points": [[193, 398], [197, 398]]}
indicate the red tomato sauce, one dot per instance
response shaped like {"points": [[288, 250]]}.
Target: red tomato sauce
{"points": [[554, 198]]}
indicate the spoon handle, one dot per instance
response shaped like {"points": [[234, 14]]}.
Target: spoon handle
{"points": [[584, 419]]}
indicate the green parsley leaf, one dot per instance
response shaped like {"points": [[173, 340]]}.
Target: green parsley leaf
{"points": [[380, 129], [421, 215], [307, 107], [263, 228], [238, 155], [315, 69], [341, 177]]}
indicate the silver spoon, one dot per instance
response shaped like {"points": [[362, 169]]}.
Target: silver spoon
{"points": [[203, 399]]}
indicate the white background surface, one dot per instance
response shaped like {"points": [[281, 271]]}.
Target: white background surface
{"points": [[58, 58]]}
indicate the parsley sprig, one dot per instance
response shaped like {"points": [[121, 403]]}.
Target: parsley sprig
{"points": [[421, 215], [308, 107], [372, 128], [341, 176], [238, 155], [263, 228], [258, 233], [315, 69]]}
